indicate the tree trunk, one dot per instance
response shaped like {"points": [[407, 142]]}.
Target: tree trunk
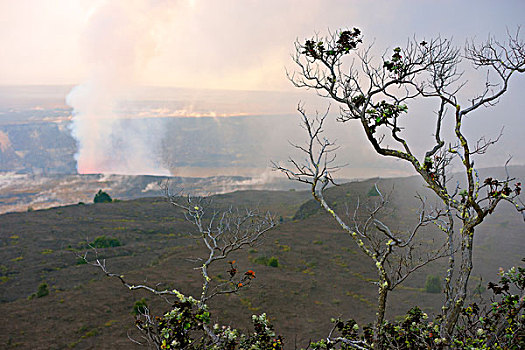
{"points": [[381, 307], [452, 314]]}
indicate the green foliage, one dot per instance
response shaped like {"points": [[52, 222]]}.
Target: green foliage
{"points": [[90, 333], [105, 242], [307, 209], [396, 64], [102, 197], [372, 192], [273, 262], [140, 307], [184, 327], [263, 260], [383, 113], [264, 336], [42, 291], [502, 326], [81, 261], [479, 290], [433, 284], [318, 50]]}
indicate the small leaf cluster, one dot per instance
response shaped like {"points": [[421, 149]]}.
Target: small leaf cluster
{"points": [[413, 332], [384, 113], [497, 188], [347, 41], [395, 65], [186, 326], [176, 328], [264, 337]]}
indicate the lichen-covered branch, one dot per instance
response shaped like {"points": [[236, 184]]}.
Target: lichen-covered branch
{"points": [[377, 92]]}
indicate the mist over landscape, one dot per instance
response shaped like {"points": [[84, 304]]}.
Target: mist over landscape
{"points": [[174, 132], [212, 175], [177, 132]]}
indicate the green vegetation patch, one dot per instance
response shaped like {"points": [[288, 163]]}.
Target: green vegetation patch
{"points": [[102, 197], [42, 291], [263, 260], [105, 242], [433, 284], [140, 307], [372, 192]]}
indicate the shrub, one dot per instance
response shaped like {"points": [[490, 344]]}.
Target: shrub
{"points": [[105, 242], [81, 261], [263, 260], [140, 307], [273, 262], [433, 284], [183, 328], [42, 291], [102, 197], [373, 192]]}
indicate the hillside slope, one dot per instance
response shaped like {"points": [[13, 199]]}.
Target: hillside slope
{"points": [[321, 274]]}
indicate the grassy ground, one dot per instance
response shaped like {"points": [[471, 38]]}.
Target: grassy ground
{"points": [[321, 273]]}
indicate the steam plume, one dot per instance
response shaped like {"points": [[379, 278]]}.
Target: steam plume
{"points": [[119, 39]]}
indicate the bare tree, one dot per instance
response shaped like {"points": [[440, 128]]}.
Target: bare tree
{"points": [[222, 231], [394, 253], [376, 92]]}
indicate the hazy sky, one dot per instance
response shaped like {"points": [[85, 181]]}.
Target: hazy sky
{"points": [[230, 44], [106, 47]]}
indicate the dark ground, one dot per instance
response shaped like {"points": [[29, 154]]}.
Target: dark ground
{"points": [[321, 275]]}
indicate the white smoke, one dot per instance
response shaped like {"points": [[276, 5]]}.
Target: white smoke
{"points": [[119, 39]]}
